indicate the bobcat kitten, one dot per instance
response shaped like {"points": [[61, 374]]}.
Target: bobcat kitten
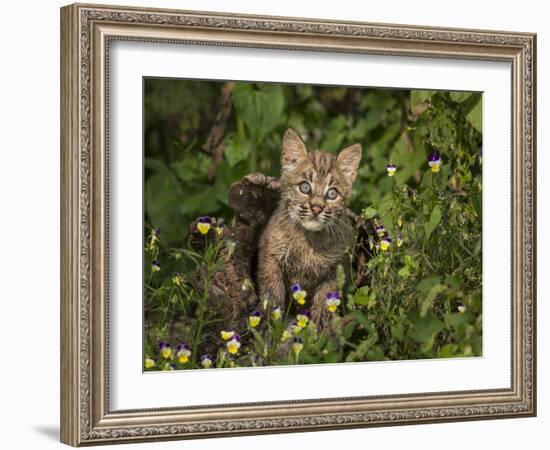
{"points": [[308, 234]]}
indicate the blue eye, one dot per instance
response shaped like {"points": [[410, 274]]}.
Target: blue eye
{"points": [[304, 187], [331, 194]]}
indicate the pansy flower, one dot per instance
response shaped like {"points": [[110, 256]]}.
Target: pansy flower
{"points": [[286, 334], [149, 363], [276, 313], [254, 319], [461, 308], [165, 350], [294, 328], [204, 224], [298, 294], [333, 301], [385, 243], [206, 361], [155, 265], [297, 345], [303, 318], [226, 335], [391, 169], [234, 344], [177, 279], [399, 241], [183, 353], [380, 230], [219, 227], [434, 161]]}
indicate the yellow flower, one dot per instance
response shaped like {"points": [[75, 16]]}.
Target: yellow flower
{"points": [[302, 320], [297, 345], [226, 335], [333, 301], [183, 353], [276, 314], [165, 350], [385, 244], [204, 224], [461, 309], [254, 319], [206, 361], [298, 294], [149, 363], [399, 241], [176, 279], [391, 169], [286, 335], [234, 345]]}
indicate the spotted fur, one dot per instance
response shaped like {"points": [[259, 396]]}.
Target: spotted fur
{"points": [[308, 234]]}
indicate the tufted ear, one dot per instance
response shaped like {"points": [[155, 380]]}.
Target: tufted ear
{"points": [[348, 161], [294, 150]]}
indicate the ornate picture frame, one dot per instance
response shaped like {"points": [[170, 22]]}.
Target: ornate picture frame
{"points": [[87, 32]]}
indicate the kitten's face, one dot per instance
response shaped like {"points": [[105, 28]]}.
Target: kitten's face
{"points": [[316, 185]]}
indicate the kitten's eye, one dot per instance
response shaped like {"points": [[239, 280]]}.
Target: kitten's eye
{"points": [[304, 187], [332, 193]]}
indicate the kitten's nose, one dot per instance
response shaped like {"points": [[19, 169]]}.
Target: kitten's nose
{"points": [[316, 209]]}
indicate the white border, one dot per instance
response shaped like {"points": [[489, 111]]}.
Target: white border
{"points": [[132, 389]]}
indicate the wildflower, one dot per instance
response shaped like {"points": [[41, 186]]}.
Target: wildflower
{"points": [[294, 328], [183, 353], [206, 361], [385, 244], [333, 301], [154, 238], [399, 241], [434, 161], [167, 366], [149, 363], [204, 224], [177, 279], [298, 294], [380, 230], [247, 284], [226, 335], [219, 227], [155, 266], [391, 169], [277, 312], [286, 335], [254, 319], [234, 344], [165, 350], [297, 345], [230, 246], [461, 309], [303, 318]]}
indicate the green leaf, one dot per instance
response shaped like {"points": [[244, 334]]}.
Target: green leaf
{"points": [[418, 96], [369, 212], [426, 328], [362, 320], [475, 117], [404, 272], [429, 299], [363, 296], [431, 225], [199, 203], [459, 97], [192, 168], [237, 149], [259, 106]]}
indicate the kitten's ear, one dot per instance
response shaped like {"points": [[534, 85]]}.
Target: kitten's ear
{"points": [[294, 150], [348, 161]]}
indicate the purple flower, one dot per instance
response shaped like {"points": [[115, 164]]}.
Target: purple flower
{"points": [[296, 287], [434, 161], [334, 295]]}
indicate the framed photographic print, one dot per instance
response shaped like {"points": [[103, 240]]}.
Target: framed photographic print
{"points": [[276, 225]]}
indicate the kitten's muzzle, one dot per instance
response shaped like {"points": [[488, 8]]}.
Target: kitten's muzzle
{"points": [[317, 209]]}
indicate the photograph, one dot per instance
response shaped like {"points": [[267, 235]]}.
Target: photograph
{"points": [[293, 224]]}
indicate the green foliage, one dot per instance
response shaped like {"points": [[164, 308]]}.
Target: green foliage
{"points": [[423, 298]]}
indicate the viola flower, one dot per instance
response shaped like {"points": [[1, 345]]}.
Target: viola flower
{"points": [[183, 353], [303, 318], [333, 301], [385, 244], [234, 344], [434, 161], [206, 361], [177, 279], [254, 319], [461, 308], [276, 313], [219, 227], [165, 350], [391, 169], [204, 224], [297, 345], [155, 266], [286, 335], [294, 328], [149, 363], [298, 294], [226, 335], [380, 230], [399, 241]]}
